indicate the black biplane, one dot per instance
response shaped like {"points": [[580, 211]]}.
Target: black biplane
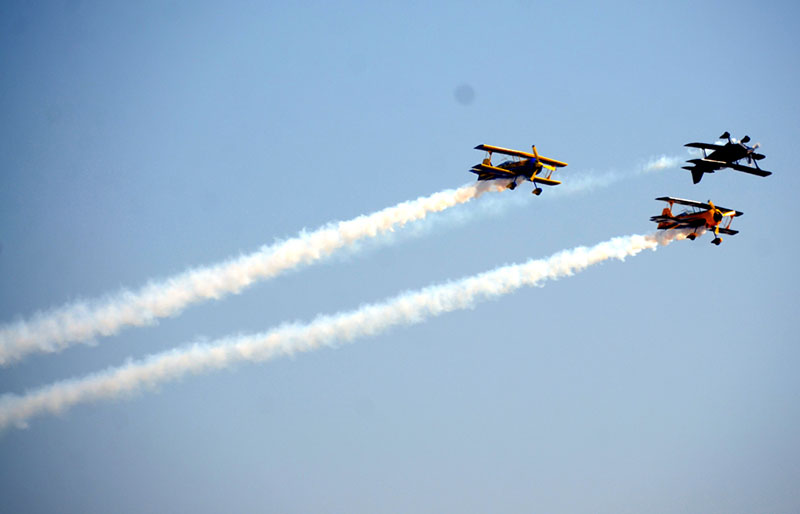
{"points": [[521, 165], [726, 156], [702, 215]]}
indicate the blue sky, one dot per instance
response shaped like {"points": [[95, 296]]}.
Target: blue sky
{"points": [[142, 140]]}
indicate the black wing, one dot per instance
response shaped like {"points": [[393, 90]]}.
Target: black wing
{"points": [[748, 169], [704, 146], [681, 201]]}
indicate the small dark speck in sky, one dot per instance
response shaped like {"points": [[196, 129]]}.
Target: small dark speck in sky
{"points": [[464, 94]]}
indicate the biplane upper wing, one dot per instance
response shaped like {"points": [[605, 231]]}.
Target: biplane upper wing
{"points": [[704, 146], [505, 151], [519, 153], [700, 205], [681, 201], [552, 162], [748, 169]]}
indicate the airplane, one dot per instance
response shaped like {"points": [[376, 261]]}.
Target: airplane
{"points": [[522, 164], [703, 215], [726, 156]]}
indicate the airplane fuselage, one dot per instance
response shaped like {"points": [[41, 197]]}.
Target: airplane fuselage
{"points": [[709, 219], [729, 153], [524, 168]]}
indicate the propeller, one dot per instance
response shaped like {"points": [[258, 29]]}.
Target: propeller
{"points": [[718, 214], [751, 155]]}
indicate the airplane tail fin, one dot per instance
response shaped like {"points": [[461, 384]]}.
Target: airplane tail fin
{"points": [[697, 174]]}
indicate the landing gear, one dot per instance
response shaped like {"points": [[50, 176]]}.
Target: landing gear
{"points": [[537, 191], [717, 240], [692, 236], [512, 185]]}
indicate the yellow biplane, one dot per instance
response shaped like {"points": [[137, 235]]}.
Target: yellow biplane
{"points": [[521, 165]]}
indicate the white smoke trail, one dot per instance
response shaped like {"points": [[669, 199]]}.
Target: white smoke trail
{"points": [[406, 309], [661, 163], [588, 181], [575, 182], [80, 322]]}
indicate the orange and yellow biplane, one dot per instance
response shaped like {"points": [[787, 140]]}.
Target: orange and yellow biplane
{"points": [[702, 215], [521, 165]]}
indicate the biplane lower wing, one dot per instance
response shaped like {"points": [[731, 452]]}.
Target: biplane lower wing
{"points": [[486, 172], [709, 165], [668, 223], [545, 181], [748, 169]]}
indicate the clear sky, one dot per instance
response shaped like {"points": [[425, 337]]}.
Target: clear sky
{"points": [[142, 139]]}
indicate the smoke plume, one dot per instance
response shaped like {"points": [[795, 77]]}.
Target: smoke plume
{"points": [[405, 309], [82, 321]]}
